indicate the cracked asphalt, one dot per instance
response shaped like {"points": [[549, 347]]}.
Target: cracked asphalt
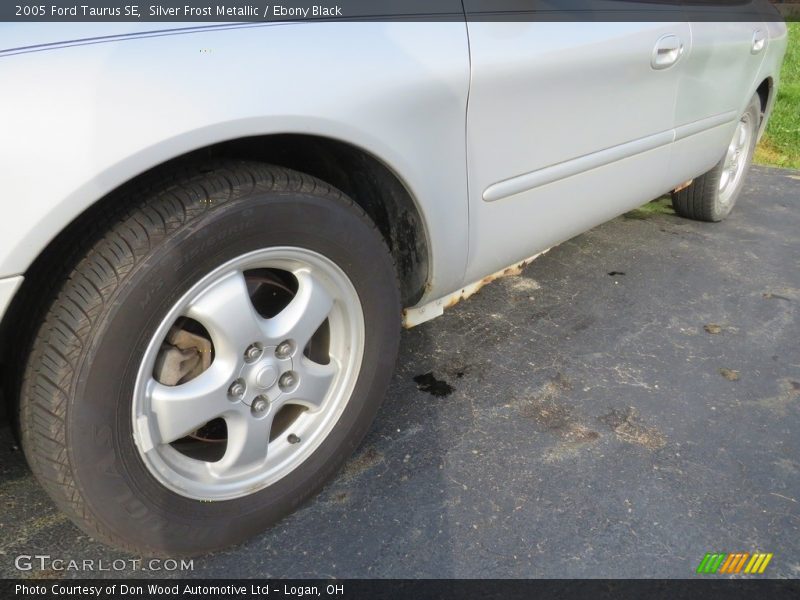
{"points": [[626, 404]]}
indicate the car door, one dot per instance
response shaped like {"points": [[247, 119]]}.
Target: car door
{"points": [[716, 81], [569, 123]]}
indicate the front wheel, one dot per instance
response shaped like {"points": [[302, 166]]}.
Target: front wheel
{"points": [[711, 196], [212, 361]]}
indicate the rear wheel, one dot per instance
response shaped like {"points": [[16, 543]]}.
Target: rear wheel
{"points": [[212, 361], [711, 196]]}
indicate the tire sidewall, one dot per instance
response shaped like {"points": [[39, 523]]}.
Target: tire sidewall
{"points": [[107, 467]]}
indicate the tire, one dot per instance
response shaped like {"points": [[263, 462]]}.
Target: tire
{"points": [[93, 424], [712, 196]]}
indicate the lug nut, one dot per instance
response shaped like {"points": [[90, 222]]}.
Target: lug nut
{"points": [[260, 405], [253, 352], [287, 380], [284, 350], [237, 390]]}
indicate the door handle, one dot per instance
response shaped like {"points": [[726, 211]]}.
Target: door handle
{"points": [[759, 41], [668, 50]]}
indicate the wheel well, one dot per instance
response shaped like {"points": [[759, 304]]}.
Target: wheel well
{"points": [[365, 179], [764, 91], [369, 182]]}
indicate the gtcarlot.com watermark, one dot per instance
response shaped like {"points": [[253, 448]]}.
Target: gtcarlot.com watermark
{"points": [[46, 562]]}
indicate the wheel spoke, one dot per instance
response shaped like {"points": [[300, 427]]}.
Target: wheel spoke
{"points": [[181, 409], [248, 441], [315, 381], [304, 314], [741, 135], [723, 181], [226, 311]]}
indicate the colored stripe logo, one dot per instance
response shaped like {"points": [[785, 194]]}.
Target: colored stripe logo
{"points": [[738, 562]]}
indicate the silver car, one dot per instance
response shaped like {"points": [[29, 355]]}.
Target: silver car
{"points": [[214, 232]]}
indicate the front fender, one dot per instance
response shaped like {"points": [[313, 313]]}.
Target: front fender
{"points": [[79, 120]]}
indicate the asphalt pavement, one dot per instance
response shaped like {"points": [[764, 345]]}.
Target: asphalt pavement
{"points": [[626, 404]]}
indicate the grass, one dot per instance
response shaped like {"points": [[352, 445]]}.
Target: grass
{"points": [[780, 145], [659, 206]]}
